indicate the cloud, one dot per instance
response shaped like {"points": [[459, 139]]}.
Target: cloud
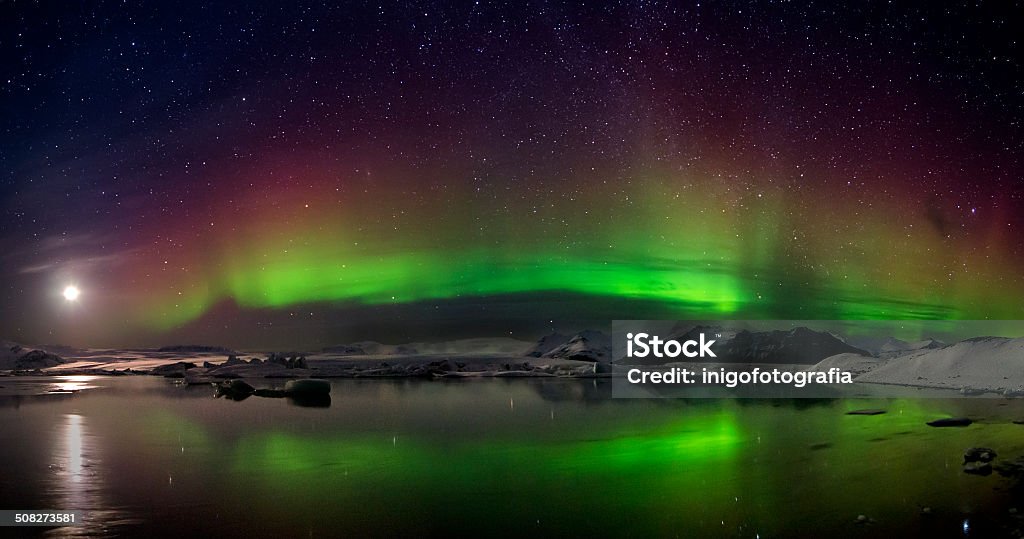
{"points": [[48, 254], [79, 264], [66, 252]]}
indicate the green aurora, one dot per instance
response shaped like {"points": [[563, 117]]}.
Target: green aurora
{"points": [[682, 242]]}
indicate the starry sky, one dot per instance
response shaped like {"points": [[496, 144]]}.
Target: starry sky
{"points": [[294, 174]]}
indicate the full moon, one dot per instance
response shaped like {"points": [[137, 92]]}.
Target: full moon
{"points": [[71, 292]]}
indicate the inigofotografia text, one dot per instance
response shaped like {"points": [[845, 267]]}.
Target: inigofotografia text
{"points": [[731, 378]]}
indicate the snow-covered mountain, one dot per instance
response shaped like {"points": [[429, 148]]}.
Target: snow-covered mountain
{"points": [[484, 345], [16, 357], [548, 343], [896, 347], [799, 345], [891, 346], [683, 334], [586, 345]]}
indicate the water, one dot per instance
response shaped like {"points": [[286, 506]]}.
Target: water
{"points": [[142, 456]]}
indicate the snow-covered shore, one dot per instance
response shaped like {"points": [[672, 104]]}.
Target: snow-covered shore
{"points": [[556, 355]]}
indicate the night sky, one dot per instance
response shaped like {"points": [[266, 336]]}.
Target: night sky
{"points": [[293, 174]]}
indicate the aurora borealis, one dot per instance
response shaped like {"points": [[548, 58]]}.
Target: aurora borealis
{"points": [[250, 174]]}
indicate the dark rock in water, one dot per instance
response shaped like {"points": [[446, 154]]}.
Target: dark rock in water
{"points": [[950, 422], [1018, 421], [208, 365], [179, 367], [866, 411], [821, 445], [232, 360], [308, 386], [1014, 468], [979, 454], [239, 386], [978, 468], [234, 389]]}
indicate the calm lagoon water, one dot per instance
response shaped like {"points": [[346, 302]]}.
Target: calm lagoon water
{"points": [[142, 456]]}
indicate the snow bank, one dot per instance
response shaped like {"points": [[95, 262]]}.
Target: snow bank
{"points": [[984, 363]]}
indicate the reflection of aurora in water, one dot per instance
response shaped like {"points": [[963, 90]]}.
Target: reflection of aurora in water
{"points": [[722, 467], [654, 468], [496, 457]]}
